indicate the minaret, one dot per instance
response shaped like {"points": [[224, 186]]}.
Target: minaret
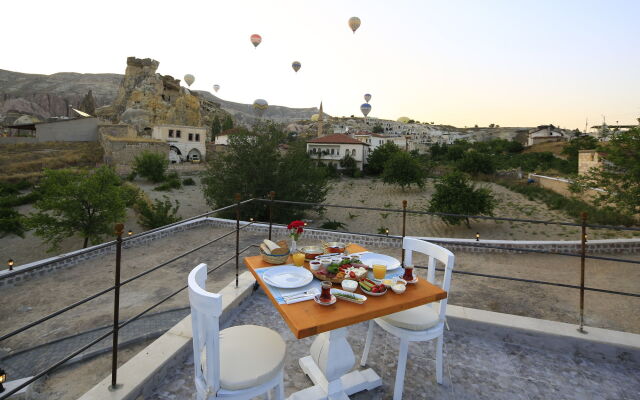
{"points": [[320, 121]]}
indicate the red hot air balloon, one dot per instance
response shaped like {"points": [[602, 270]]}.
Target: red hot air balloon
{"points": [[256, 40]]}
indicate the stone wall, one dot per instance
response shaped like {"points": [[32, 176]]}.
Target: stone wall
{"points": [[117, 130], [561, 186], [121, 152], [72, 130], [588, 159], [38, 268]]}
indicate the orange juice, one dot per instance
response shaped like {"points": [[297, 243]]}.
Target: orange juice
{"points": [[379, 271], [298, 259]]}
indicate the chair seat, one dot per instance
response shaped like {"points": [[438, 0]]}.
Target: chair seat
{"points": [[415, 319], [250, 355]]}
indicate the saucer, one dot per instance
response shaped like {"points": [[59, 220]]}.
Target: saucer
{"points": [[322, 303]]}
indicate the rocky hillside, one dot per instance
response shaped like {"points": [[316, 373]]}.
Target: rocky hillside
{"points": [[45, 96]]}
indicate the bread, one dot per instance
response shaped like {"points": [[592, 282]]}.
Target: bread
{"points": [[271, 245]]}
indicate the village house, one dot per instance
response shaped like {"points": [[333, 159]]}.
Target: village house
{"points": [[331, 149], [546, 133], [186, 143], [376, 140]]}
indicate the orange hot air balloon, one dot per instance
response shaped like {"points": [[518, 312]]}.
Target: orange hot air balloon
{"points": [[256, 40], [354, 24]]}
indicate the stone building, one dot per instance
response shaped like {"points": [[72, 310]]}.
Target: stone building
{"points": [[588, 159], [186, 143], [546, 133], [331, 149]]}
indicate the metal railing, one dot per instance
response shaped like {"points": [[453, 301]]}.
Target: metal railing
{"points": [[271, 202]]}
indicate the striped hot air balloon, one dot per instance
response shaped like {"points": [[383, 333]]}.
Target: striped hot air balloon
{"points": [[354, 24], [367, 97], [260, 106], [216, 88], [296, 65], [365, 108], [256, 40]]}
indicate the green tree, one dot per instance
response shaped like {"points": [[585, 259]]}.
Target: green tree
{"points": [[157, 214], [377, 128], [474, 162], [151, 166], [378, 158], [79, 203], [349, 165], [620, 176], [456, 194], [253, 166], [227, 123], [216, 127], [404, 170]]}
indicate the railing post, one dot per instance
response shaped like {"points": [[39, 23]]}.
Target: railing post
{"points": [[237, 196], [404, 227], [272, 195], [583, 251], [116, 308]]}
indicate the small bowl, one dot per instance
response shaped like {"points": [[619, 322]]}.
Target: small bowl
{"points": [[349, 285], [335, 247], [399, 288], [325, 262], [314, 265]]}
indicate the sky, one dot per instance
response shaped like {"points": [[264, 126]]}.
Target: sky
{"points": [[462, 63]]}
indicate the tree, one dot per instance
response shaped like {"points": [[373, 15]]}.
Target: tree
{"points": [[227, 123], [349, 165], [88, 104], [377, 128], [157, 214], [253, 166], [378, 158], [620, 176], [475, 162], [404, 170], [79, 202], [572, 149], [151, 166], [216, 127], [456, 194]]}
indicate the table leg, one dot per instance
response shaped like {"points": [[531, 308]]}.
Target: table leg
{"points": [[327, 366]]}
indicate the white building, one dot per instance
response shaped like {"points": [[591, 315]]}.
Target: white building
{"points": [[546, 133], [186, 143], [376, 140], [331, 149]]}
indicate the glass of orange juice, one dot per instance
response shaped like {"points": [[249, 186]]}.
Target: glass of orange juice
{"points": [[379, 271], [298, 259]]}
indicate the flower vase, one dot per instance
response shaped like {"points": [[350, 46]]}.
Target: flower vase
{"points": [[294, 246]]}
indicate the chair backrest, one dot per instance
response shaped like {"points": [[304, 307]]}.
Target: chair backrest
{"points": [[205, 314], [435, 253]]}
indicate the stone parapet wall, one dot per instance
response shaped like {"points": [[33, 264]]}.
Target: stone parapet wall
{"points": [[38, 268]]}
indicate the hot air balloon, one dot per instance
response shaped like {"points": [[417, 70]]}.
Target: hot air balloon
{"points": [[367, 97], [260, 106], [216, 88], [189, 79], [296, 65], [256, 40], [354, 24], [365, 108]]}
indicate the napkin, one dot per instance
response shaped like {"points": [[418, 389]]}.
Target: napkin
{"points": [[299, 299]]}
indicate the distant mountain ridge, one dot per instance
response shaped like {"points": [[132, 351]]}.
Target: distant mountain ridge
{"points": [[47, 96]]}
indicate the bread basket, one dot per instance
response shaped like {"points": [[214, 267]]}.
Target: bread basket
{"points": [[273, 258]]}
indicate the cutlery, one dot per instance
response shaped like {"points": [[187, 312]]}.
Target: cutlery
{"points": [[310, 292]]}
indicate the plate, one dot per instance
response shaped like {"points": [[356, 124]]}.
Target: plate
{"points": [[371, 293], [360, 298], [375, 258], [287, 276], [322, 303]]}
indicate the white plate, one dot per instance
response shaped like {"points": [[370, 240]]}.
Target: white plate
{"points": [[375, 258], [359, 299], [287, 276]]}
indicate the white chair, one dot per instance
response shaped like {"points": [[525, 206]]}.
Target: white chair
{"points": [[420, 323], [240, 362]]}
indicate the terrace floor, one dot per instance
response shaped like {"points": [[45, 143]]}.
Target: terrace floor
{"points": [[476, 367]]}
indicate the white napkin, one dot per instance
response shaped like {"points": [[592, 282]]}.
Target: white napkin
{"points": [[299, 299]]}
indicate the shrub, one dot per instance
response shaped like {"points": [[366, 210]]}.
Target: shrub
{"points": [[151, 166], [172, 181], [10, 222], [333, 225], [157, 214], [188, 182]]}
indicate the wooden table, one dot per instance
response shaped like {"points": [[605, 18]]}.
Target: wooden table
{"points": [[331, 355]]}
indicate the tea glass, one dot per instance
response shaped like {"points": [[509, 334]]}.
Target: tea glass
{"points": [[325, 294]]}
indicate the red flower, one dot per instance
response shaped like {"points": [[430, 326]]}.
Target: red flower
{"points": [[295, 229]]}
